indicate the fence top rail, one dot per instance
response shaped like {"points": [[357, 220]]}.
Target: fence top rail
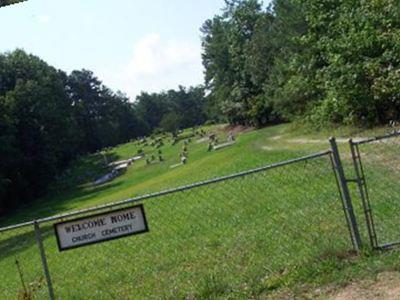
{"points": [[165, 192], [377, 138]]}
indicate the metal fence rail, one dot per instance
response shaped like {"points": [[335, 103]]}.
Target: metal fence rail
{"points": [[377, 167], [206, 239]]}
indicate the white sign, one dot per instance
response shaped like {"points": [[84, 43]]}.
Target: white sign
{"points": [[101, 227]]}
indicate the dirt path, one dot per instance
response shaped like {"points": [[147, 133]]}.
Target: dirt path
{"points": [[385, 287], [321, 141]]}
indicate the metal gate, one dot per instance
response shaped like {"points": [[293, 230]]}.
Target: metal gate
{"points": [[377, 168]]}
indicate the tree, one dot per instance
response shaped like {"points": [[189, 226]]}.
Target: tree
{"points": [[36, 125], [171, 122], [232, 50], [173, 109], [48, 118], [105, 118], [349, 71]]}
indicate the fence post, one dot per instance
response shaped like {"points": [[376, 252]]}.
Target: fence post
{"points": [[44, 260], [349, 211]]}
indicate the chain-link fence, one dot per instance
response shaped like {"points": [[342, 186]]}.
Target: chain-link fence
{"points": [[21, 272], [227, 236], [377, 168]]}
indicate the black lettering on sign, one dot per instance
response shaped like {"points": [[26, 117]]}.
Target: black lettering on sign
{"points": [[84, 237], [123, 217], [85, 225]]}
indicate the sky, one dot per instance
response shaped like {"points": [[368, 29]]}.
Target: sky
{"points": [[130, 45]]}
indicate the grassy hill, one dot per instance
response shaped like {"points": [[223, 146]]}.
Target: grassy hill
{"points": [[254, 148], [245, 238]]}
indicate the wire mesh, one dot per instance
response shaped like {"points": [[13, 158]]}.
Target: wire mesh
{"points": [[229, 238], [21, 274]]}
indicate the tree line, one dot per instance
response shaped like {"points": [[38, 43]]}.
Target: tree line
{"points": [[48, 118], [319, 61]]}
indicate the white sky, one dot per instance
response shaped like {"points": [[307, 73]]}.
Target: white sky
{"points": [[131, 45]]}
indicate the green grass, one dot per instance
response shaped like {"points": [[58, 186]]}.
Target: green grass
{"points": [[240, 239], [140, 178]]}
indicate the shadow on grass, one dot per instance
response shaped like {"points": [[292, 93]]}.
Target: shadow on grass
{"points": [[50, 208], [82, 171], [68, 186], [16, 244], [74, 182], [19, 242]]}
